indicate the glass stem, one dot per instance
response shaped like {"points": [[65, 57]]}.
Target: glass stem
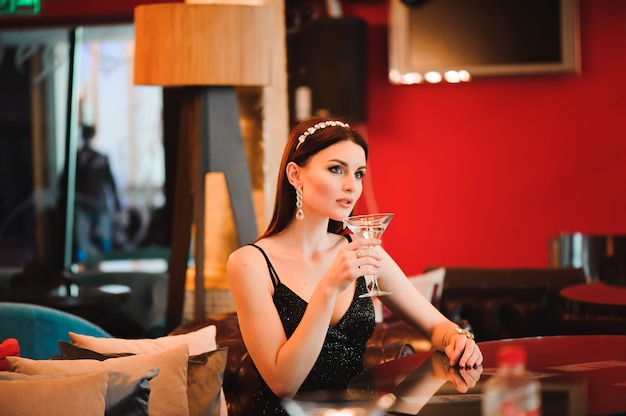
{"points": [[374, 287]]}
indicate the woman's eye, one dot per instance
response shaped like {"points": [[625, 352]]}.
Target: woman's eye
{"points": [[359, 175], [335, 169]]}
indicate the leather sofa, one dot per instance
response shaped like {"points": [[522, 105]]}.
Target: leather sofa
{"points": [[509, 302]]}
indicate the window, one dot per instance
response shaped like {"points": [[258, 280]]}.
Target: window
{"points": [[36, 139]]}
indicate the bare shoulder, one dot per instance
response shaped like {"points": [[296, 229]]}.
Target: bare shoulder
{"points": [[250, 281], [244, 258], [243, 253]]}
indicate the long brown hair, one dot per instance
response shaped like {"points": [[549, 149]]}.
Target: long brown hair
{"points": [[284, 204]]}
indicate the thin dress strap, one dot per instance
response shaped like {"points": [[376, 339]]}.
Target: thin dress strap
{"points": [[273, 274]]}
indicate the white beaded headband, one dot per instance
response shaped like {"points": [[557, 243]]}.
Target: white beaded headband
{"points": [[317, 127]]}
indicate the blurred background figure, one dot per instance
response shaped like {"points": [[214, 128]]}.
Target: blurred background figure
{"points": [[97, 201]]}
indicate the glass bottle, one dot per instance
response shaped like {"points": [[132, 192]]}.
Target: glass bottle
{"points": [[511, 391]]}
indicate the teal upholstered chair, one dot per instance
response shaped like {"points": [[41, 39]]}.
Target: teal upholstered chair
{"points": [[39, 329]]}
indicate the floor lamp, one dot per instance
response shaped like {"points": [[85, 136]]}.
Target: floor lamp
{"points": [[206, 50]]}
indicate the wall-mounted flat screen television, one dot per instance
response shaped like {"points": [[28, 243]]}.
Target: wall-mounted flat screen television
{"points": [[482, 38]]}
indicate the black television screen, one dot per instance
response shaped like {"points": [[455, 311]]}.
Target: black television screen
{"points": [[482, 38]]}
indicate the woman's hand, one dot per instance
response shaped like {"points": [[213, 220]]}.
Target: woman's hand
{"points": [[353, 260], [462, 349]]}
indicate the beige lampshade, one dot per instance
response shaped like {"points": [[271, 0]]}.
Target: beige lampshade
{"points": [[183, 44]]}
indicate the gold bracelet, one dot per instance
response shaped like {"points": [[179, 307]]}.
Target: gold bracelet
{"points": [[458, 330]]}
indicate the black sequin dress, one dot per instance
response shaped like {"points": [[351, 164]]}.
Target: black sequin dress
{"points": [[341, 358]]}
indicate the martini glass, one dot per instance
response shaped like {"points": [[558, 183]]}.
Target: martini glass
{"points": [[370, 226]]}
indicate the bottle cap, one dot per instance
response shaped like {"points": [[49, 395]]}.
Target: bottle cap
{"points": [[511, 356]]}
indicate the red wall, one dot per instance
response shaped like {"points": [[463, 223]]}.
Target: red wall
{"points": [[484, 173]]}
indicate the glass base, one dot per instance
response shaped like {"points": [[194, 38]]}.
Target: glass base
{"points": [[375, 293]]}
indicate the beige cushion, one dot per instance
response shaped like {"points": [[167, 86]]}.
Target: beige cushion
{"points": [[127, 392], [168, 395], [198, 342], [80, 395]]}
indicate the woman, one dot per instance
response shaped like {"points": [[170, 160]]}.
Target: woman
{"points": [[297, 288]]}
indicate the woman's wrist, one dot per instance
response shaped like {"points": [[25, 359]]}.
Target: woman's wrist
{"points": [[447, 336]]}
